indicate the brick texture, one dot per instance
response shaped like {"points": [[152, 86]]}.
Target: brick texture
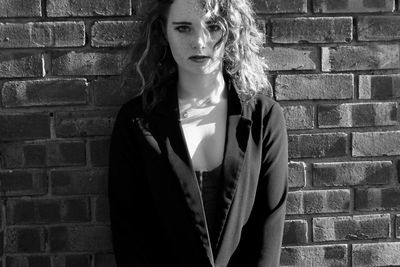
{"points": [[44, 92], [334, 67], [314, 86], [317, 145], [350, 228], [82, 63], [376, 144], [21, 65], [297, 174], [373, 57], [377, 254], [372, 199], [281, 6], [65, 8], [352, 173], [358, 115], [317, 255], [20, 8], [378, 28], [113, 33], [299, 117], [42, 34], [350, 6], [286, 58], [379, 86], [312, 30], [318, 201]]}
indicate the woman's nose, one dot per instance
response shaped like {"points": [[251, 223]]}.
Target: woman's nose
{"points": [[200, 39]]}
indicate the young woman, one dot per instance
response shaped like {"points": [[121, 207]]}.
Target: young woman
{"points": [[198, 161]]}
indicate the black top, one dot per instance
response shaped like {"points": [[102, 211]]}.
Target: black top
{"points": [[209, 183]]}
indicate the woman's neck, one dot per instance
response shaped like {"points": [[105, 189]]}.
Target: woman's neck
{"points": [[200, 87]]}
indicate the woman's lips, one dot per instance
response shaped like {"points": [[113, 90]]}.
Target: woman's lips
{"points": [[199, 59]]}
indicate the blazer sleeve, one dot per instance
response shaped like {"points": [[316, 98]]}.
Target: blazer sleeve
{"points": [[123, 192], [262, 235], [272, 188]]}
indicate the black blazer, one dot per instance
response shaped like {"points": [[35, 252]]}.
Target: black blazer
{"points": [[156, 211]]}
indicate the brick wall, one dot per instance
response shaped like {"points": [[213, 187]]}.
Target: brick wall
{"points": [[335, 68]]}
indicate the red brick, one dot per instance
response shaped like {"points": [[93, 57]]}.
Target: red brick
{"points": [[44, 92], [109, 92], [83, 8], [88, 63], [25, 240], [357, 115], [47, 211], [367, 144], [105, 260], [314, 86], [93, 238], [21, 65], [376, 254], [102, 210], [25, 126], [379, 86], [88, 123], [299, 117], [352, 173], [114, 33], [281, 6], [378, 28], [352, 6], [28, 261], [312, 30], [72, 261], [99, 152], [351, 227], [318, 201], [318, 145], [295, 232], [372, 57], [374, 199], [17, 183], [44, 154], [42, 34], [286, 58], [66, 154], [317, 255], [297, 174], [397, 226], [78, 182], [20, 8]]}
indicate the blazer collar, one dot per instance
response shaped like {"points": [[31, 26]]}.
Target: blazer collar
{"points": [[165, 118]]}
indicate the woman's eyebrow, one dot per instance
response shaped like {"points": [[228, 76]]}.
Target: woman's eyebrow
{"points": [[182, 23]]}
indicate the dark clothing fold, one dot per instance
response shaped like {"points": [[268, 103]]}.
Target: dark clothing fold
{"points": [[156, 207]]}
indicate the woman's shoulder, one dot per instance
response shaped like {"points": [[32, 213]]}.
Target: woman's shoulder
{"points": [[132, 108], [264, 104]]}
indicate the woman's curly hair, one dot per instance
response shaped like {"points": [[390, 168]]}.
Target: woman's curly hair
{"points": [[152, 63]]}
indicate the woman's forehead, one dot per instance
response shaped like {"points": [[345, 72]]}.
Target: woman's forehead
{"points": [[186, 9]]}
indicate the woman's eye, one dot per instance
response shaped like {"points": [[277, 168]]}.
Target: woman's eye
{"points": [[214, 27], [182, 28]]}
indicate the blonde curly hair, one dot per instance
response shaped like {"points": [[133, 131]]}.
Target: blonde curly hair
{"points": [[152, 63]]}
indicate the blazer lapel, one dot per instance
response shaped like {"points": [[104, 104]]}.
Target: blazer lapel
{"points": [[168, 128], [238, 130]]}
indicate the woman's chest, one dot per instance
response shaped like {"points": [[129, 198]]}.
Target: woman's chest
{"points": [[205, 139]]}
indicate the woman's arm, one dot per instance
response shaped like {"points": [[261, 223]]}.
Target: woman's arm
{"points": [[125, 169], [261, 239]]}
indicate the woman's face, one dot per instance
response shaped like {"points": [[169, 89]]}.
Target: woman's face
{"points": [[192, 38]]}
